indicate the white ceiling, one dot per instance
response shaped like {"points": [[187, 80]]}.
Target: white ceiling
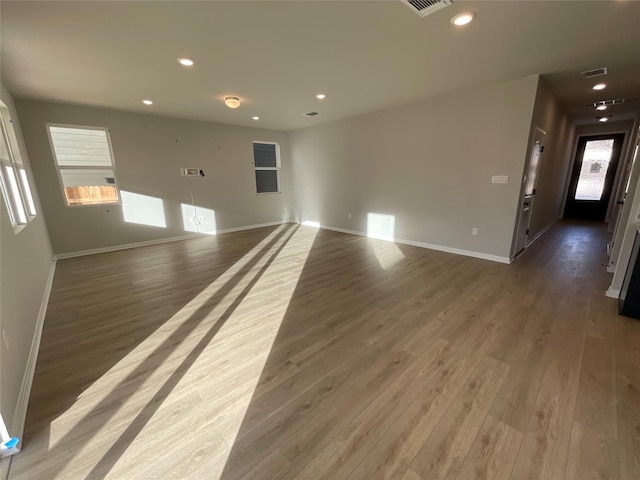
{"points": [[365, 55]]}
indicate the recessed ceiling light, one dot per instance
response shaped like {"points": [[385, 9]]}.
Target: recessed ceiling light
{"points": [[600, 86], [601, 107], [256, 118], [463, 18], [147, 102], [232, 102], [186, 62], [321, 96], [604, 119]]}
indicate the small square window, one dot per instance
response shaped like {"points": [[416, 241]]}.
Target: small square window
{"points": [[266, 161]]}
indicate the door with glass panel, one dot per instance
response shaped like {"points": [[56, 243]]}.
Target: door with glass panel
{"points": [[594, 171]]}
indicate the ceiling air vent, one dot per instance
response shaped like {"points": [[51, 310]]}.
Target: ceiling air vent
{"points": [[310, 114], [426, 7], [607, 103], [597, 72]]}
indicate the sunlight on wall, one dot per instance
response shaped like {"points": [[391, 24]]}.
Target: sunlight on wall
{"points": [[213, 354], [143, 209], [202, 220], [309, 223], [381, 226]]}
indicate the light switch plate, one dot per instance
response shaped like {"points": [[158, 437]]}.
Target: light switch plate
{"points": [[500, 179]]}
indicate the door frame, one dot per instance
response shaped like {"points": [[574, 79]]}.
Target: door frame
{"points": [[523, 186], [615, 180]]}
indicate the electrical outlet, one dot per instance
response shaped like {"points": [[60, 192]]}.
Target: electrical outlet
{"points": [[474, 231], [349, 215], [500, 179]]}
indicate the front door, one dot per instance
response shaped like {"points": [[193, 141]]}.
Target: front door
{"points": [[592, 179]]}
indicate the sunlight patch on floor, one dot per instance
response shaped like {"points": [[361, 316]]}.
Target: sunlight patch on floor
{"points": [[190, 383], [387, 253], [101, 398], [381, 226]]}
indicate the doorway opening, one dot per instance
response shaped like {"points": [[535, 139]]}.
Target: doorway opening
{"points": [[594, 171], [529, 182]]}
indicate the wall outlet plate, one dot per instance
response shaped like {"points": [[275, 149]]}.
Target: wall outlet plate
{"points": [[500, 179]]}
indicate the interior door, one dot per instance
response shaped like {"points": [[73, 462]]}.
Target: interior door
{"points": [[592, 178], [529, 182], [619, 207]]}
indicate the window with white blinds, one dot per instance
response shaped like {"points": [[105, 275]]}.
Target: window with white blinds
{"points": [[14, 181], [85, 164], [266, 161]]}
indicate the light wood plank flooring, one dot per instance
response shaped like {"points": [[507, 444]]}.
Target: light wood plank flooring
{"points": [[290, 352]]}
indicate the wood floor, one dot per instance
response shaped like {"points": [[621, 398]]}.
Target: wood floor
{"points": [[290, 352]]}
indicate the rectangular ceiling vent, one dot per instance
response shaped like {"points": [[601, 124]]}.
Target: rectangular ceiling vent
{"points": [[426, 7], [597, 72], [310, 114], [616, 101]]}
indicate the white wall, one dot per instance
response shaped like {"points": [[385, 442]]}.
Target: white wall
{"points": [[429, 164], [625, 232], [549, 115], [149, 150], [26, 262]]}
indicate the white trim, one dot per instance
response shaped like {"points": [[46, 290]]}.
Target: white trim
{"points": [[20, 413], [540, 233], [126, 246], [611, 268], [430, 246], [612, 292], [250, 227], [147, 243]]}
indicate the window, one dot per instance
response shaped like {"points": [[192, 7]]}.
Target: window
{"points": [[14, 182], [593, 173], [266, 161], [85, 164]]}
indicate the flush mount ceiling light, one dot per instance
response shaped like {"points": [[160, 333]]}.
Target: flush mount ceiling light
{"points": [[600, 86], [603, 119], [463, 18], [256, 118], [186, 62], [232, 102], [321, 96], [147, 102], [601, 107]]}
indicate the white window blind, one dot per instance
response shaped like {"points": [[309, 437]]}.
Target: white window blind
{"points": [[85, 164]]}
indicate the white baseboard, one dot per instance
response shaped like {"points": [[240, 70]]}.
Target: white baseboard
{"points": [[126, 246], [430, 246], [540, 233], [20, 413], [250, 227], [613, 292]]}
